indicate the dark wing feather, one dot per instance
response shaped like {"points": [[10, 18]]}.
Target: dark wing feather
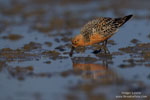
{"points": [[104, 26], [101, 26]]}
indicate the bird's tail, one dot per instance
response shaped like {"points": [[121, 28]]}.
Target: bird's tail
{"points": [[123, 20], [126, 18]]}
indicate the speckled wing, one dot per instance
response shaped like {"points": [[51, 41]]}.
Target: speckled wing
{"points": [[107, 27], [104, 26]]}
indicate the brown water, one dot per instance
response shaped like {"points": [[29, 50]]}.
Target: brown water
{"points": [[35, 40]]}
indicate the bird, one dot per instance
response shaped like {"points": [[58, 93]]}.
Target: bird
{"points": [[98, 30]]}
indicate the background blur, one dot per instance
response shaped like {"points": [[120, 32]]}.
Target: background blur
{"points": [[35, 40]]}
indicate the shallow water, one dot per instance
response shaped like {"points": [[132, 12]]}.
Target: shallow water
{"points": [[35, 41]]}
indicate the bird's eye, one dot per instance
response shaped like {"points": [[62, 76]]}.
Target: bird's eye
{"points": [[74, 42]]}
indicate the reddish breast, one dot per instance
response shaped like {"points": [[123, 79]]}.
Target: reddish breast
{"points": [[96, 38]]}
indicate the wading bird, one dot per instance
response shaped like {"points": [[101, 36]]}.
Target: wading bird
{"points": [[97, 31]]}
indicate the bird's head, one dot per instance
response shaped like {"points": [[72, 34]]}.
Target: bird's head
{"points": [[77, 41]]}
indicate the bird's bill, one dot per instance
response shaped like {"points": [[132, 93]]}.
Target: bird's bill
{"points": [[71, 52]]}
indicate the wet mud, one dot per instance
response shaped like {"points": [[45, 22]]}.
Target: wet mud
{"points": [[35, 42]]}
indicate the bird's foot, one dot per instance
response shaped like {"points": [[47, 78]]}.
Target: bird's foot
{"points": [[96, 51], [102, 49], [106, 51]]}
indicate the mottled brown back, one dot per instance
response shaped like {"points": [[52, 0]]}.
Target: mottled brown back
{"points": [[104, 26]]}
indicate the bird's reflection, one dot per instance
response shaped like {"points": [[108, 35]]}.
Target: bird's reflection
{"points": [[91, 70], [94, 71]]}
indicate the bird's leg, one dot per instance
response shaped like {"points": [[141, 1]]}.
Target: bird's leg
{"points": [[104, 46], [104, 43], [106, 50], [71, 52]]}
